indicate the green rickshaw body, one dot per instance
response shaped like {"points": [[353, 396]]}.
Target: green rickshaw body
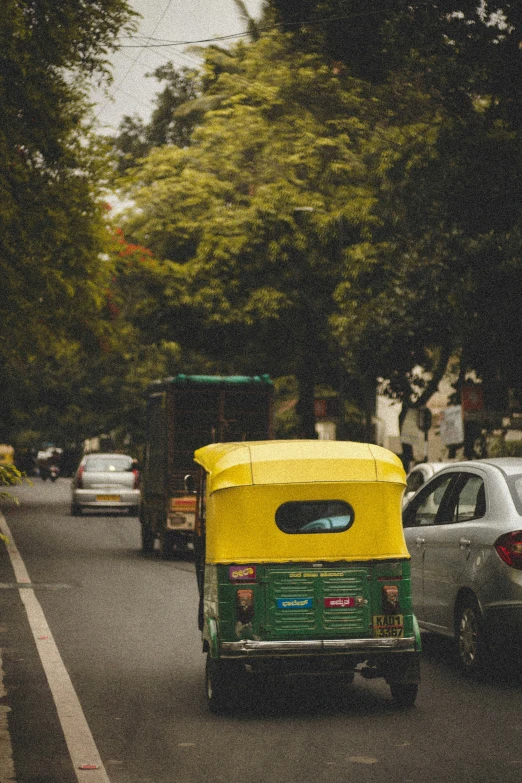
{"points": [[302, 563]]}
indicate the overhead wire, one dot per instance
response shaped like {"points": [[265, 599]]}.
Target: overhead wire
{"points": [[154, 44], [182, 58], [118, 86], [159, 43]]}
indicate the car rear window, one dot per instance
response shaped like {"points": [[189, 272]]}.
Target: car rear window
{"points": [[108, 464], [515, 485], [314, 516]]}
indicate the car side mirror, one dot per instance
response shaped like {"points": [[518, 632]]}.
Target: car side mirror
{"points": [[190, 484]]}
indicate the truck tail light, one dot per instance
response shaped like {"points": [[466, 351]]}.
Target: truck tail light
{"points": [[136, 474], [509, 548], [390, 599], [79, 477], [244, 606]]}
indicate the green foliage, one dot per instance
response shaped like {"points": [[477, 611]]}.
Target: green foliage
{"points": [[419, 163], [338, 203], [255, 274], [499, 447], [52, 222], [438, 274], [172, 122]]}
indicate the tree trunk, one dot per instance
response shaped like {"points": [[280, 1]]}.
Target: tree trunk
{"points": [[305, 405]]}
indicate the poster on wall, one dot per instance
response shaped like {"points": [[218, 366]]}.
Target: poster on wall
{"points": [[452, 426]]}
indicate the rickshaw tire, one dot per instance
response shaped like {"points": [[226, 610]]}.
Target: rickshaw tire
{"points": [[404, 693], [219, 685]]}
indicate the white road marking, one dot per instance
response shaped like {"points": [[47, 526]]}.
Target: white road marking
{"points": [[80, 742]]}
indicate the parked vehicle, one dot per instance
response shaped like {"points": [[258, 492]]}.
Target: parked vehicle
{"points": [[419, 475], [302, 565], [106, 481], [464, 534], [184, 413], [48, 463]]}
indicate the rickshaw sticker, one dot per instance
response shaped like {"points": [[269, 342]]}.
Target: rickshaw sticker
{"points": [[242, 573], [294, 603], [339, 603]]}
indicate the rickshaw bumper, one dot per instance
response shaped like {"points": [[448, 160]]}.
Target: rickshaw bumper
{"points": [[397, 660], [255, 648]]}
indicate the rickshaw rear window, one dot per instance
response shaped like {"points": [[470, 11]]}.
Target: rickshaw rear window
{"points": [[314, 516]]}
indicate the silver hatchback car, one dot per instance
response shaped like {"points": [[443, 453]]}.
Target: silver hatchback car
{"points": [[463, 529], [106, 481]]}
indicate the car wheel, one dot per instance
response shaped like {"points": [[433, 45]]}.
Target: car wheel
{"points": [[147, 539], [219, 685], [404, 693], [75, 510], [471, 641]]}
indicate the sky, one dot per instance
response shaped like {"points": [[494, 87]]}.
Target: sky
{"points": [[162, 21]]}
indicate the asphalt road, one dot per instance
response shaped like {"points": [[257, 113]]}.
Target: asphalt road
{"points": [[125, 627]]}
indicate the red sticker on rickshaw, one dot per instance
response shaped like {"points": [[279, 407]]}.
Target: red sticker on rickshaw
{"points": [[339, 603]]}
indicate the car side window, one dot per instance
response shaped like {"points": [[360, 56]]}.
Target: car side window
{"points": [[425, 508], [468, 501]]}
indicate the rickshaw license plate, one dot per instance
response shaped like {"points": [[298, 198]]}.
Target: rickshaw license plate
{"points": [[106, 498], [388, 625]]}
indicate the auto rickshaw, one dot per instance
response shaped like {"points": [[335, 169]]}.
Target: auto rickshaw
{"points": [[302, 565]]}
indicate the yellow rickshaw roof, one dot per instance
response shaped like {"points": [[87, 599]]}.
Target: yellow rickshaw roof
{"points": [[295, 462]]}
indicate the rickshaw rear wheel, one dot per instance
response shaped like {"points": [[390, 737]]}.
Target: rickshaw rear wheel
{"points": [[220, 684], [404, 693]]}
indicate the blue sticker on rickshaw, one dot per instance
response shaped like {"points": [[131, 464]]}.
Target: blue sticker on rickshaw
{"points": [[294, 603]]}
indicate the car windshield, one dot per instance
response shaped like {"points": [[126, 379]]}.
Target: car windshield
{"points": [[108, 464]]}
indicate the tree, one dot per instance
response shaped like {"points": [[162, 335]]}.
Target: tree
{"points": [[419, 164], [52, 222], [250, 212], [438, 277], [172, 122]]}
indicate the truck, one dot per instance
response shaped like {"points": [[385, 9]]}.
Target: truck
{"points": [[184, 413]]}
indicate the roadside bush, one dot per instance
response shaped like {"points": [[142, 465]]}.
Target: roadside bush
{"points": [[505, 448]]}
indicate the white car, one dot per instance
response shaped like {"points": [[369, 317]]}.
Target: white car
{"points": [[419, 475], [106, 481]]}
